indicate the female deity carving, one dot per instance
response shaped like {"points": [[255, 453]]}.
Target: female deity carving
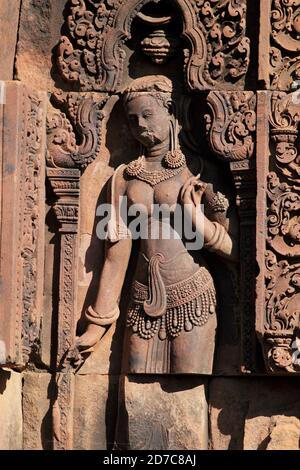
{"points": [[171, 320]]}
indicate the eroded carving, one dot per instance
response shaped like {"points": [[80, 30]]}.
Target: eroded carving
{"points": [[159, 46], [284, 131], [65, 184], [66, 159], [74, 138]]}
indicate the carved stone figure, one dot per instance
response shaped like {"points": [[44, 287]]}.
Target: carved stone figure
{"points": [[171, 320]]}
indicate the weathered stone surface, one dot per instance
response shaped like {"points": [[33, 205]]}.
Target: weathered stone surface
{"points": [[285, 434], [227, 411], [93, 191], [95, 410], [10, 410], [155, 412], [278, 432], [107, 355], [22, 154], [37, 399], [9, 19], [254, 414], [40, 23], [166, 413]]}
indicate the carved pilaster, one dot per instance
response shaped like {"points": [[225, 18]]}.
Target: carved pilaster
{"points": [[74, 137], [65, 184], [279, 296], [22, 148], [231, 129], [245, 183]]}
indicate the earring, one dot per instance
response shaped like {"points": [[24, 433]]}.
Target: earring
{"points": [[174, 158], [142, 150]]}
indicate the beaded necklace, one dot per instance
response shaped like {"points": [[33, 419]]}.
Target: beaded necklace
{"points": [[174, 162]]}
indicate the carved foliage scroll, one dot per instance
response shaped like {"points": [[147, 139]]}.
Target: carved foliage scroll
{"points": [[284, 48], [282, 260], [231, 125], [74, 133], [228, 48], [32, 193], [91, 55]]}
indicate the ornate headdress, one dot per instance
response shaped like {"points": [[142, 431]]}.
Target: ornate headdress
{"points": [[158, 86]]}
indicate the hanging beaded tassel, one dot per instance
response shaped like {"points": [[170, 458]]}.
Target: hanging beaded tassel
{"points": [[176, 319], [174, 158]]}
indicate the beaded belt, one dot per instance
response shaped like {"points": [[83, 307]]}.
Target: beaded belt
{"points": [[189, 303]]}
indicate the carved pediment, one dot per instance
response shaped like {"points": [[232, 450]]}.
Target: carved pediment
{"points": [[91, 54]]}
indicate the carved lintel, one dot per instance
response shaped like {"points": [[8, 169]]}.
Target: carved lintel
{"points": [[91, 53], [22, 221]]}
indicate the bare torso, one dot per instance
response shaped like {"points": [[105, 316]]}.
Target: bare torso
{"points": [[178, 263]]}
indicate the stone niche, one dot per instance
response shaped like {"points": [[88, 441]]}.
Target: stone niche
{"points": [[232, 110], [105, 46]]}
